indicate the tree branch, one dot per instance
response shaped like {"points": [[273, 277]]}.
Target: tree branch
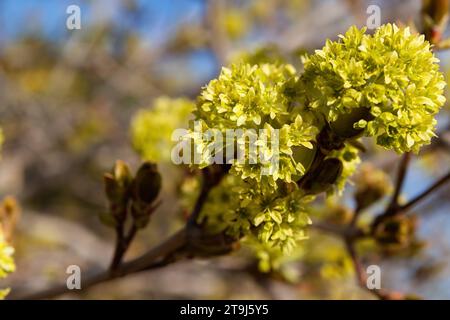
{"points": [[361, 276], [171, 250], [442, 181], [401, 174], [150, 260]]}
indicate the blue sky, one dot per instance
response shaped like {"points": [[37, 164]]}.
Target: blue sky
{"points": [[158, 17]]}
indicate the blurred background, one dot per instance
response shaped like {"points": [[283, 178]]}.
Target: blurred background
{"points": [[66, 101]]}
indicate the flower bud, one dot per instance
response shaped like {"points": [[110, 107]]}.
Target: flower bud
{"points": [[395, 231], [145, 190], [146, 184], [339, 214], [372, 185], [117, 182]]}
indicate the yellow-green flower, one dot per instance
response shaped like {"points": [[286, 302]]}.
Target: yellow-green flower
{"points": [[151, 129], [387, 85], [7, 265], [258, 100]]}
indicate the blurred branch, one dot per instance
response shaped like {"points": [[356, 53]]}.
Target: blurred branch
{"points": [[362, 278], [403, 167], [173, 249], [122, 244], [150, 260], [350, 234], [425, 193]]}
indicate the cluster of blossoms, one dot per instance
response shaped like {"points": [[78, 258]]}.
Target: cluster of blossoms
{"points": [[241, 209], [256, 99], [151, 129], [387, 86], [6, 262]]}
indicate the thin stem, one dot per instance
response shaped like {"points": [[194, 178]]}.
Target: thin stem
{"points": [[210, 178], [161, 255], [401, 174], [361, 276], [199, 204], [122, 244], [150, 260], [359, 271], [119, 250], [442, 181]]}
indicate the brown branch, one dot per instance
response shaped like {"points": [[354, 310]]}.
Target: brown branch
{"points": [[122, 244], [150, 260], [119, 249], [171, 250], [201, 199], [361, 276], [211, 177], [401, 174], [442, 181]]}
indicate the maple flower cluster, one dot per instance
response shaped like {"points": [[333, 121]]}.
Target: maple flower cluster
{"points": [[386, 85]]}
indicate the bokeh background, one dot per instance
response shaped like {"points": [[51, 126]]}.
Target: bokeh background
{"points": [[66, 101]]}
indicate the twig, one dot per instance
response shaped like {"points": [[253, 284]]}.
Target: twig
{"points": [[149, 260], [122, 244], [192, 220], [159, 256], [119, 250], [211, 176], [401, 174], [362, 278], [442, 181]]}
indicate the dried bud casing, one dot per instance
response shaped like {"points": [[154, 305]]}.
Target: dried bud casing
{"points": [[147, 184], [144, 191]]}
